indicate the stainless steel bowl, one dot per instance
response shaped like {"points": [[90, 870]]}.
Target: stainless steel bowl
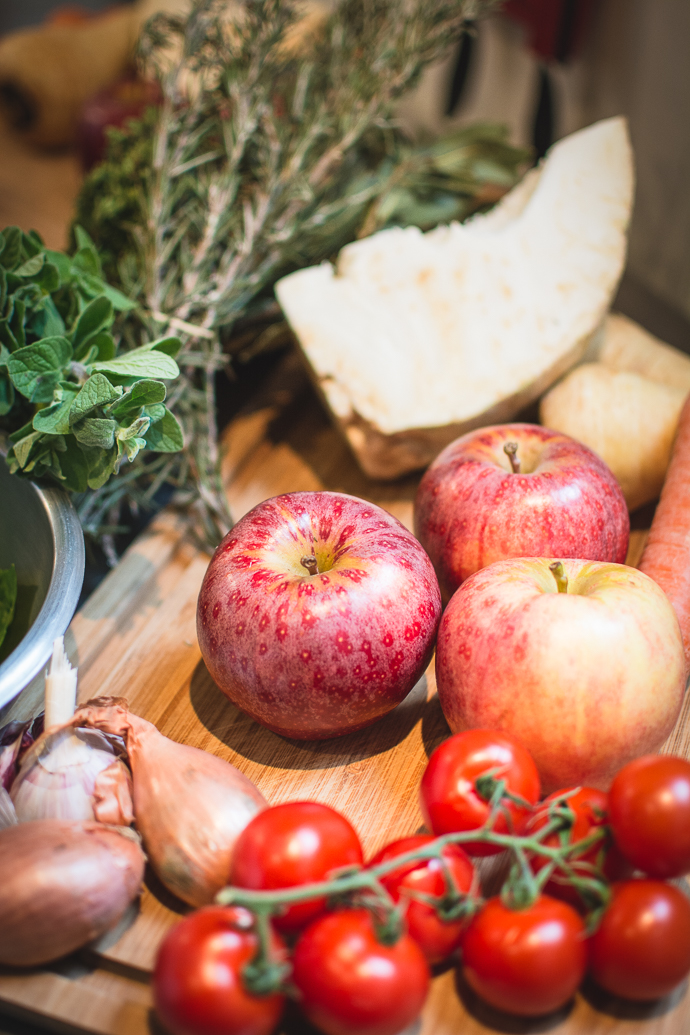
{"points": [[40, 534]]}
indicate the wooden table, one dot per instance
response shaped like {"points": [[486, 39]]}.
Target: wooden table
{"points": [[135, 637]]}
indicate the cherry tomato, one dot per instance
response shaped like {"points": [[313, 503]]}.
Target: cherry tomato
{"points": [[641, 949], [649, 808], [197, 985], [295, 843], [590, 811], [526, 961], [436, 938], [351, 984], [449, 799]]}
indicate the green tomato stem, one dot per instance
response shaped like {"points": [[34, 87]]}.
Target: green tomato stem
{"points": [[272, 901], [266, 974]]}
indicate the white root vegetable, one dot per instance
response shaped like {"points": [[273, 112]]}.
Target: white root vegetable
{"points": [[62, 884]]}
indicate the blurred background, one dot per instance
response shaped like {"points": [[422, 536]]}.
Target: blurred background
{"points": [[544, 67]]}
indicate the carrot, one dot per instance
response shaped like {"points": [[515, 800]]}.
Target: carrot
{"points": [[666, 557]]}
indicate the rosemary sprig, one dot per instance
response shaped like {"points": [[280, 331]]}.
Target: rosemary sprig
{"points": [[263, 158]]}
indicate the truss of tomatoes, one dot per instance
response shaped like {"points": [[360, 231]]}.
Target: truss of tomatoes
{"points": [[354, 944]]}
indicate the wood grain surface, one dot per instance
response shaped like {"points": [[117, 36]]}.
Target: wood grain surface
{"points": [[135, 637]]}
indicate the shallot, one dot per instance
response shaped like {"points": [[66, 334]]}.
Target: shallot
{"points": [[189, 806], [62, 884]]}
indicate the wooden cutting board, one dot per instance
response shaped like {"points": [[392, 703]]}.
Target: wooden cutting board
{"points": [[135, 637]]}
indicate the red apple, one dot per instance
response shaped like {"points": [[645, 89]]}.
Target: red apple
{"points": [[318, 613], [472, 508], [584, 664]]}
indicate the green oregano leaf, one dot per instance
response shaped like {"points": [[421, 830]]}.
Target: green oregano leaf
{"points": [[137, 428], [31, 267], [142, 362], [165, 436], [6, 392], [96, 432], [36, 369], [17, 322], [97, 316], [22, 449], [95, 392], [144, 393], [101, 464], [155, 412], [105, 346], [74, 467], [12, 250], [170, 346], [62, 263], [118, 300], [55, 419], [49, 278], [47, 323]]}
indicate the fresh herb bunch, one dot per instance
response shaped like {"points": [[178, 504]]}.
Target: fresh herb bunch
{"points": [[72, 406], [267, 156], [397, 183]]}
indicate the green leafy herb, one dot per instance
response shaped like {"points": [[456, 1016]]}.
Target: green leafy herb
{"points": [[62, 376], [8, 599]]}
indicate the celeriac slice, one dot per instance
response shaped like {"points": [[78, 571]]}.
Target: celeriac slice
{"points": [[414, 338]]}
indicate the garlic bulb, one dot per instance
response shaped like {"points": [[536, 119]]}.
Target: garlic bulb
{"points": [[69, 773], [190, 806], [72, 774], [62, 885]]}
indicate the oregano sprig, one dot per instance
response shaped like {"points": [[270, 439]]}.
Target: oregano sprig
{"points": [[73, 404]]}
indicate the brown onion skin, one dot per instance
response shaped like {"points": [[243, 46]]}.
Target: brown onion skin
{"points": [[190, 806], [62, 884]]}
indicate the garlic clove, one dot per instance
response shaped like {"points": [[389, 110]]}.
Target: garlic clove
{"points": [[189, 806], [8, 817], [63, 884]]}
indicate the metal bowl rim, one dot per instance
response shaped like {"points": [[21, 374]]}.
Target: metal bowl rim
{"points": [[29, 656]]}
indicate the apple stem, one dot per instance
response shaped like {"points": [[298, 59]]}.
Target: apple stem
{"points": [[309, 562], [558, 572], [510, 449]]}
